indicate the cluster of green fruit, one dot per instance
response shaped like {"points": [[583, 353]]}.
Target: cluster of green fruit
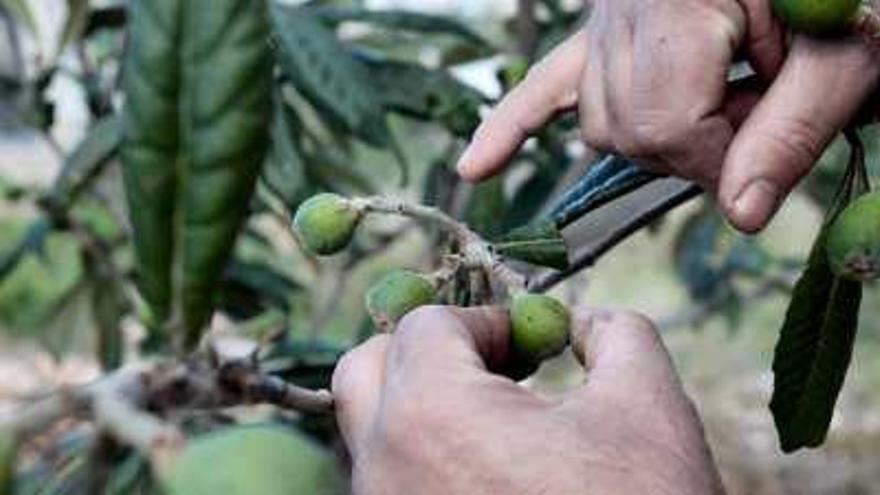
{"points": [[325, 225]]}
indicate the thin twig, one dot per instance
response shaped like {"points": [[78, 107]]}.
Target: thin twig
{"points": [[473, 247]]}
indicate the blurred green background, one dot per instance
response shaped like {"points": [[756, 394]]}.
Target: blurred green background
{"points": [[722, 346]]}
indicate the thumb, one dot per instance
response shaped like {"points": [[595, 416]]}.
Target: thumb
{"points": [[818, 90], [621, 348]]}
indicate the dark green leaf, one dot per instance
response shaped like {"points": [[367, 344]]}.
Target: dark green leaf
{"points": [[285, 170], [697, 261], [817, 338], [427, 94], [399, 20], [322, 68], [249, 289], [32, 241], [198, 80], [108, 305], [74, 26], [813, 352], [540, 243], [87, 160], [486, 208], [22, 11]]}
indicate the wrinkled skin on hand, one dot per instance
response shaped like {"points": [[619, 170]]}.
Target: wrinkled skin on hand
{"points": [[421, 412], [649, 78]]}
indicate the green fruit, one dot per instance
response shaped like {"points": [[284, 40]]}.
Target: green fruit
{"points": [[325, 223], [853, 241], [539, 326], [817, 17], [395, 295], [253, 460]]}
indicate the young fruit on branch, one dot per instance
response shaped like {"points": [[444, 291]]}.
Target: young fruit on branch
{"points": [[264, 460], [540, 326], [395, 295], [853, 242], [325, 223], [818, 17]]}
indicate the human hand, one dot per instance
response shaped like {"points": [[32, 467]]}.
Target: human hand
{"points": [[650, 80], [421, 413]]}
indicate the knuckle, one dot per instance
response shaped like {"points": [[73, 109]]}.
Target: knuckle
{"points": [[415, 324], [420, 317], [595, 134], [351, 365], [650, 136], [636, 321]]}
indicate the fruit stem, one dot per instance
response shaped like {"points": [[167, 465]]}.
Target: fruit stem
{"points": [[867, 24], [474, 248]]}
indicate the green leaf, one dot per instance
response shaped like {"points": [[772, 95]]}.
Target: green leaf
{"points": [[8, 457], [32, 241], [250, 288], [540, 243], [399, 20], [324, 70], [817, 338], [108, 307], [21, 10], [87, 160], [486, 208], [426, 94], [813, 352], [75, 25], [197, 83], [285, 170]]}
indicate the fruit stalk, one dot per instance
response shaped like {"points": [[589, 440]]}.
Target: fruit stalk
{"points": [[867, 24], [474, 249]]}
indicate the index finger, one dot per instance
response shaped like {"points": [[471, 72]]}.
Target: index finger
{"points": [[550, 87]]}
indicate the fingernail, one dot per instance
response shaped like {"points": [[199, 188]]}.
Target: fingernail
{"points": [[755, 204], [467, 168]]}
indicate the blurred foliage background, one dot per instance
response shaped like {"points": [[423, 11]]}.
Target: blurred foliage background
{"points": [[418, 74]]}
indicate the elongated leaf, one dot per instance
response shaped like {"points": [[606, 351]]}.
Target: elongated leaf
{"points": [[75, 25], [87, 160], [817, 338], [813, 352], [197, 83], [697, 260], [8, 456], [539, 244], [108, 306], [426, 94], [22, 11], [486, 208], [32, 241], [250, 288], [285, 170], [400, 20], [607, 180], [323, 69]]}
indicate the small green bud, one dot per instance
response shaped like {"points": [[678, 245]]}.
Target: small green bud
{"points": [[325, 223], [853, 242], [395, 295], [817, 17], [539, 326]]}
